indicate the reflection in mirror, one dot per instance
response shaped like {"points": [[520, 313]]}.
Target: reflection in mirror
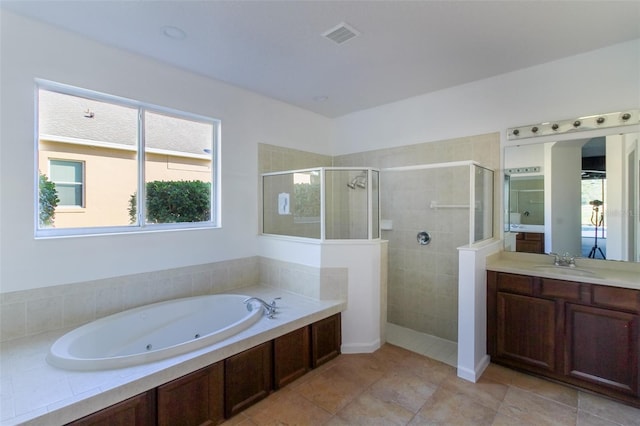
{"points": [[587, 192]]}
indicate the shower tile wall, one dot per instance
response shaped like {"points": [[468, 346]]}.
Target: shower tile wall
{"points": [[423, 280], [273, 158]]}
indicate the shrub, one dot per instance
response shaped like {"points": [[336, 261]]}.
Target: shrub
{"points": [[48, 201], [175, 201]]}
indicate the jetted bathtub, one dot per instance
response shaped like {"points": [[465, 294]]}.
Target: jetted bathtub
{"points": [[153, 332]]}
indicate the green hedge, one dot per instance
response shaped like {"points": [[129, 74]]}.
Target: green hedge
{"points": [[48, 201], [175, 201]]}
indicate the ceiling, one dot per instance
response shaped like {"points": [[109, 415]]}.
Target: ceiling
{"points": [[404, 49]]}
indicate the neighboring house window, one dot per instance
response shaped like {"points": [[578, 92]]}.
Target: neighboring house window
{"points": [[68, 177], [131, 166]]}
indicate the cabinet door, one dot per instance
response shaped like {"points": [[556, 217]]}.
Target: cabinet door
{"points": [[326, 339], [526, 330], [530, 242], [195, 399], [139, 410], [291, 357], [248, 378], [602, 347]]}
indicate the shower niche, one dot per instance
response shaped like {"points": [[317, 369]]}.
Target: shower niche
{"points": [[325, 203]]}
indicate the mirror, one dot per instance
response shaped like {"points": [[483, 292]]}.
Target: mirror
{"points": [[580, 196]]}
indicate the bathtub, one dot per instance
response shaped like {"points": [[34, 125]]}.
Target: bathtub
{"points": [[153, 332]]}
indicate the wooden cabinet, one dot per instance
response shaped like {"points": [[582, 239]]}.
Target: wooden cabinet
{"points": [[583, 334], [526, 330], [530, 242], [291, 357], [221, 390], [194, 399], [139, 410], [248, 378], [326, 339], [602, 347]]}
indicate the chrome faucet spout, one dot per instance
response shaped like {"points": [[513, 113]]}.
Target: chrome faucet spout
{"points": [[269, 308], [564, 260]]}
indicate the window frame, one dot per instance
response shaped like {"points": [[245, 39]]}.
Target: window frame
{"points": [[140, 226]]}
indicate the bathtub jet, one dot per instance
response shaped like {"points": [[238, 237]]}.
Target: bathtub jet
{"points": [[153, 332]]}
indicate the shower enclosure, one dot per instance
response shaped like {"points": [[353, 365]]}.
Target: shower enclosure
{"points": [[453, 204], [326, 203]]}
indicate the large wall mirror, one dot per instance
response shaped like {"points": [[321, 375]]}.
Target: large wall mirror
{"points": [[579, 194]]}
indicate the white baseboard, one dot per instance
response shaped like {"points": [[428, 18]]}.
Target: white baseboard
{"points": [[474, 375], [360, 348]]}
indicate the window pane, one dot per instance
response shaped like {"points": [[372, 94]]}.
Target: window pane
{"points": [[89, 156], [69, 194], [101, 137], [178, 169], [66, 171]]}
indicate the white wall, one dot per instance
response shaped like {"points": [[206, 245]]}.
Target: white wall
{"points": [[32, 50], [603, 80]]}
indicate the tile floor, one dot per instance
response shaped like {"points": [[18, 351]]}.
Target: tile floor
{"points": [[394, 386]]}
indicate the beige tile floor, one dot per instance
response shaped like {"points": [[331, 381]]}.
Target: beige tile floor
{"points": [[394, 386]]}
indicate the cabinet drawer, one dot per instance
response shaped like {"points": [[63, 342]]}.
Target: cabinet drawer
{"points": [[615, 297], [512, 283], [559, 289], [533, 236]]}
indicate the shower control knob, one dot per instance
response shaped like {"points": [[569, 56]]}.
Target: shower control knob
{"points": [[626, 116], [423, 238], [577, 123], [534, 129], [600, 120], [516, 132], [555, 127]]}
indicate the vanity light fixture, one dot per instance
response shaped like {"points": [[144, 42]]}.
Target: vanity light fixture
{"points": [[601, 121]]}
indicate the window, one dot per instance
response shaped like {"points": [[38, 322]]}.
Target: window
{"points": [[68, 178], [117, 165]]}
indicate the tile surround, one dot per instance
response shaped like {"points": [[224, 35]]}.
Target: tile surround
{"points": [[31, 312]]}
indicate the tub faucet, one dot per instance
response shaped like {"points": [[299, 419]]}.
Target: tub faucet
{"points": [[269, 308], [564, 260]]}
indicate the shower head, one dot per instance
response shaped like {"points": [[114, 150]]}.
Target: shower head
{"points": [[359, 181]]}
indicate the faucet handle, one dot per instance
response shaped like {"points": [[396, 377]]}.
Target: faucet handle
{"points": [[556, 258], [273, 302]]}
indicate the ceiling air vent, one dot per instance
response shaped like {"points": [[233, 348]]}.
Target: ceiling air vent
{"points": [[341, 33]]}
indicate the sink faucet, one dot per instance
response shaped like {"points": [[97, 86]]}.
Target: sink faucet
{"points": [[564, 260], [269, 308]]}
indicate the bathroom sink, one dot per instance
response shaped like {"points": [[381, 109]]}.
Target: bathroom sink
{"points": [[565, 270]]}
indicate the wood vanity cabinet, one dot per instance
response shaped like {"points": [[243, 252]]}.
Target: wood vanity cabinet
{"points": [[291, 357], [139, 410], [530, 242], [584, 334], [248, 378], [326, 339], [194, 399]]}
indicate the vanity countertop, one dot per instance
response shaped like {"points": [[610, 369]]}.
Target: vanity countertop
{"points": [[610, 273], [35, 393]]}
